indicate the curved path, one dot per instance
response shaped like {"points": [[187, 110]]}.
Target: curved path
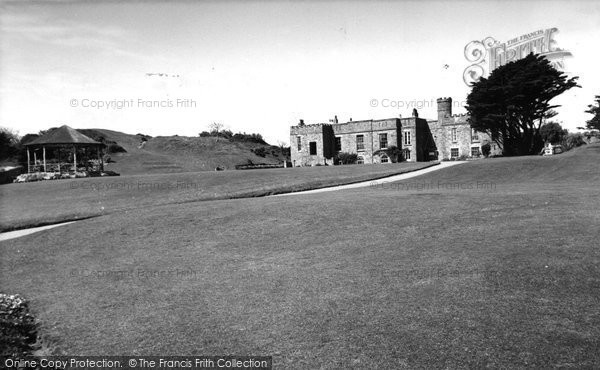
{"points": [[402, 176], [19, 233], [385, 180]]}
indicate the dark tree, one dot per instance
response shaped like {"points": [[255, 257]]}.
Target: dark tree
{"points": [[9, 143], [28, 137], [486, 149], [513, 102], [594, 123], [553, 133]]}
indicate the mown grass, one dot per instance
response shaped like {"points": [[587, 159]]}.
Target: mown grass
{"points": [[47, 202], [362, 278]]}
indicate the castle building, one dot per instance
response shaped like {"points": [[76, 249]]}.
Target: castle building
{"points": [[448, 137]]}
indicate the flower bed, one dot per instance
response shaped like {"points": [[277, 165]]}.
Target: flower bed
{"points": [[39, 176], [18, 329]]}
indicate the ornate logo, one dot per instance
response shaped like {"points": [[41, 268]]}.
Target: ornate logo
{"points": [[489, 54]]}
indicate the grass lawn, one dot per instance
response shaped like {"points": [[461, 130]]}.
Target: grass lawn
{"points": [[46, 202], [452, 276]]}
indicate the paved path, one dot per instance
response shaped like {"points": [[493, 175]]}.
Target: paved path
{"points": [[19, 233], [402, 176]]}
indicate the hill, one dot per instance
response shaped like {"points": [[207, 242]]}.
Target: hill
{"points": [[579, 166], [166, 154]]}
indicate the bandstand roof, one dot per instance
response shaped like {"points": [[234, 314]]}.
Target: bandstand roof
{"points": [[64, 135]]}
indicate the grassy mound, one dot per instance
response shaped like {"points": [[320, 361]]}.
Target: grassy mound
{"points": [[170, 154]]}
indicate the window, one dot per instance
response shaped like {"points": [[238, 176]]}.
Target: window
{"points": [[360, 142], [406, 137], [474, 135], [382, 141], [454, 135], [406, 154], [299, 143], [360, 160], [454, 152], [384, 159], [475, 151], [312, 148], [338, 144]]}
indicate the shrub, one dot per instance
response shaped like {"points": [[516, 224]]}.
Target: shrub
{"points": [[553, 132], [261, 152], [18, 330], [286, 151], [251, 138], [227, 134], [573, 141], [115, 148], [346, 158], [394, 153], [486, 149], [240, 137]]}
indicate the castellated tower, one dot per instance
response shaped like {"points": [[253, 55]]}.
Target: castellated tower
{"points": [[444, 109]]}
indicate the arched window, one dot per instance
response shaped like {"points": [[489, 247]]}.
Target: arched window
{"points": [[385, 158]]}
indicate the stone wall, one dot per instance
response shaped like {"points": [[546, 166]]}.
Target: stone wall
{"points": [[442, 133], [465, 140], [370, 131], [324, 136], [308, 134]]}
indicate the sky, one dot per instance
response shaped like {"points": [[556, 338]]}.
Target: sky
{"points": [[164, 68]]}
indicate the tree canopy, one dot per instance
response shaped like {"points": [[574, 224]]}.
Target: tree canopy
{"points": [[9, 142], [594, 123], [514, 101], [552, 132]]}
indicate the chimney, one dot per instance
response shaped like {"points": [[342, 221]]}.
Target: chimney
{"points": [[335, 120], [301, 123], [415, 113]]}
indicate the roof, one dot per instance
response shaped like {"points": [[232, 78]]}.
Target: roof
{"points": [[63, 135]]}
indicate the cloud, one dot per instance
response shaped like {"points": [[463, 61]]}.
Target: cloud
{"points": [[18, 26]]}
